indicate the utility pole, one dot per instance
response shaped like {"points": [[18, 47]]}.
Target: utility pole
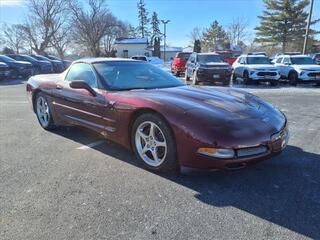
{"points": [[307, 29], [165, 22]]}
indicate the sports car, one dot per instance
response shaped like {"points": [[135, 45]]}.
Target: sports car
{"points": [[166, 123]]}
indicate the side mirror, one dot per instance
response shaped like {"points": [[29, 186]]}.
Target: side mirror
{"points": [[80, 84]]}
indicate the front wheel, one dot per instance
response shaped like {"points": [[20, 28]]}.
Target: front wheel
{"points": [[43, 112], [246, 79], [153, 143], [195, 78], [293, 78]]}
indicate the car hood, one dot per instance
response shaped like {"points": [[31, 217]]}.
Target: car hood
{"points": [[214, 64], [262, 67], [217, 109], [312, 67]]}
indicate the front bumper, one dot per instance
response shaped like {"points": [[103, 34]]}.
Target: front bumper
{"points": [[274, 147], [213, 75], [264, 76], [310, 76]]}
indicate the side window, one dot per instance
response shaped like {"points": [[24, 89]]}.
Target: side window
{"points": [[279, 60], [82, 71], [242, 61], [286, 60]]}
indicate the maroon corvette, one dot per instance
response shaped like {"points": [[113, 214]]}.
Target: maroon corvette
{"points": [[166, 123]]}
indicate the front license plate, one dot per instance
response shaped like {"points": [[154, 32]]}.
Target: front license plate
{"points": [[216, 76]]}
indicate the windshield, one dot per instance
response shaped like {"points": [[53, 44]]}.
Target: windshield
{"points": [[258, 60], [41, 57], [6, 59], [209, 58], [134, 75], [183, 55], [302, 60]]}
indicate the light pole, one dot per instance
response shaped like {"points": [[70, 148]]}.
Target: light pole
{"points": [[307, 29], [165, 22]]}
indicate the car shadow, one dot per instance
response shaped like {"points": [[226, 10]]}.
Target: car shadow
{"points": [[284, 190]]}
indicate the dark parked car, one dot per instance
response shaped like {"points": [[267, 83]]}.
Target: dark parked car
{"points": [[17, 68], [207, 68], [66, 63], [39, 65], [178, 64], [4, 70], [166, 123], [57, 65]]}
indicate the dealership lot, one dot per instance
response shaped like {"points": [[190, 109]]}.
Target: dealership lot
{"points": [[71, 184]]}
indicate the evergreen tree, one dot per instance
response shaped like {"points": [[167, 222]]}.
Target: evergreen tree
{"points": [[215, 38], [156, 47], [144, 21], [197, 46], [283, 22], [155, 22]]}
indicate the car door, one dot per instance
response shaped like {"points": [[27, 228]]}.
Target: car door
{"points": [[286, 66], [79, 106], [189, 65], [279, 65]]}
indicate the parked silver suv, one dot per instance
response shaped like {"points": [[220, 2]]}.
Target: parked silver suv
{"points": [[298, 69]]}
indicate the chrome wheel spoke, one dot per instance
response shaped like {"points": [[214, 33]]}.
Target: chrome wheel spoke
{"points": [[150, 143], [43, 111]]}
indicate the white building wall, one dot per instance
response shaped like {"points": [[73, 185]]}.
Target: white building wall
{"points": [[133, 49]]}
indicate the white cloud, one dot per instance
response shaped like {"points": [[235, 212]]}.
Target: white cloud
{"points": [[14, 3]]}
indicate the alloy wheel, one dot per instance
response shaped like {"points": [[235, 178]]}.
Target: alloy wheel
{"points": [[151, 143], [43, 111]]}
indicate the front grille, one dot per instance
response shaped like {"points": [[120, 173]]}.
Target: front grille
{"points": [[266, 74], [251, 151], [314, 74]]}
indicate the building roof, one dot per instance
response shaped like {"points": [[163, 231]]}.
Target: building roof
{"points": [[168, 49], [131, 41]]}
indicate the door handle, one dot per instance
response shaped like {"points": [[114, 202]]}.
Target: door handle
{"points": [[59, 87]]}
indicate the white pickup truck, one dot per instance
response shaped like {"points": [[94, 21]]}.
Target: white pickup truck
{"points": [[255, 68], [298, 69]]}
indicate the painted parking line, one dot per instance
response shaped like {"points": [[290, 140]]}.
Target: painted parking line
{"points": [[91, 145]]}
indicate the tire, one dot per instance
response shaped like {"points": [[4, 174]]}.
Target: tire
{"points": [[43, 112], [195, 78], [151, 145], [246, 79], [293, 78], [233, 77]]}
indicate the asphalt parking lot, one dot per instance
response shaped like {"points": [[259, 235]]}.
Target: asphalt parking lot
{"points": [[71, 184]]}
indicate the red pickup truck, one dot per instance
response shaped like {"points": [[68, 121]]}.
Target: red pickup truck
{"points": [[178, 64]]}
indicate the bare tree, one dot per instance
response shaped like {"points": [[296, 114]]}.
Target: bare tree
{"points": [[195, 34], [91, 24], [61, 41], [237, 30], [45, 19], [11, 37]]}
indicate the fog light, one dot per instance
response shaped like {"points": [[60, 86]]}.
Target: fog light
{"points": [[217, 152]]}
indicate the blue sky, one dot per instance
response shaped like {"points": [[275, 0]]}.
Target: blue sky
{"points": [[184, 14]]}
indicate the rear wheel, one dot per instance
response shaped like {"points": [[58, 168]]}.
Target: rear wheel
{"points": [[153, 143], [186, 78], [293, 78], [43, 112]]}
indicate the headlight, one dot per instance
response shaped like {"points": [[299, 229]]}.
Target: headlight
{"points": [[217, 152], [302, 72], [252, 72]]}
